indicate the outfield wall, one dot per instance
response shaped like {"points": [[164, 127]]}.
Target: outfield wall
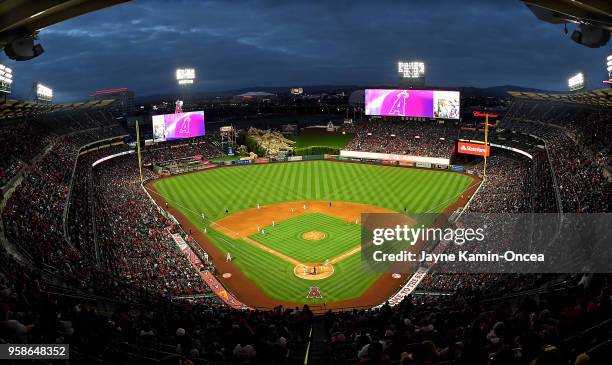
{"points": [[361, 157], [395, 157]]}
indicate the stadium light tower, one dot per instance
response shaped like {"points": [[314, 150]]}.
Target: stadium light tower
{"points": [[42, 93], [411, 73], [185, 76], [6, 80], [609, 69], [576, 82]]}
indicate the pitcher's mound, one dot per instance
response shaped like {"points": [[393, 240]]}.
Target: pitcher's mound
{"points": [[313, 236], [313, 270]]}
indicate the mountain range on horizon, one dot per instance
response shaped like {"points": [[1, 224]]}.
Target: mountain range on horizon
{"points": [[493, 91]]}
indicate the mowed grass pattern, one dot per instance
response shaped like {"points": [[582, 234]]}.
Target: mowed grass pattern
{"points": [[242, 187], [286, 237], [275, 276], [237, 188]]}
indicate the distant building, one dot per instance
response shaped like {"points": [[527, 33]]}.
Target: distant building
{"points": [[296, 91], [124, 100]]}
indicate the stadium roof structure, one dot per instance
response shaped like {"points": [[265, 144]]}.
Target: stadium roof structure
{"points": [[11, 109], [600, 98], [594, 12], [26, 17]]}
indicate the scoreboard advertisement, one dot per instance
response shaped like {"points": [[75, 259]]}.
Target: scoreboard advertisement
{"points": [[473, 149], [412, 103], [169, 127]]}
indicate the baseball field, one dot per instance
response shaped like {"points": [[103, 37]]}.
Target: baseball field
{"points": [[291, 226]]}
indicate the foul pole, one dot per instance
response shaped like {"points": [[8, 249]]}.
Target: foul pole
{"points": [[138, 150], [486, 135], [484, 170]]}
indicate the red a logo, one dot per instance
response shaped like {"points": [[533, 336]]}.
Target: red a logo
{"points": [[314, 293]]}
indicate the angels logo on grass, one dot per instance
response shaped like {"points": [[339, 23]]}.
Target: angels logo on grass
{"points": [[314, 293]]}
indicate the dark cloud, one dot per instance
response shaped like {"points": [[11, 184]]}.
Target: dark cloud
{"points": [[236, 44]]}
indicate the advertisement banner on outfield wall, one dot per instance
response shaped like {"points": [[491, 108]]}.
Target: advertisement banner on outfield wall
{"points": [[423, 164], [388, 162], [313, 157], [394, 157], [473, 149], [456, 168], [487, 243], [262, 160], [294, 158], [242, 162]]}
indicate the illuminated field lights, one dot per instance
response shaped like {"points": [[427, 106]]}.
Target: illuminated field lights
{"points": [[6, 79], [411, 70], [43, 92], [576, 82], [185, 76]]}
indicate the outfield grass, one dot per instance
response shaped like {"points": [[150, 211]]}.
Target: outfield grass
{"points": [[333, 140], [275, 276], [242, 187], [286, 237]]}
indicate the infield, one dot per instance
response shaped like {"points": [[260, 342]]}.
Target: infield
{"points": [[286, 237], [265, 265]]}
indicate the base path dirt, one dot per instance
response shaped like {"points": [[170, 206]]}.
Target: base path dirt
{"points": [[242, 224], [248, 222]]}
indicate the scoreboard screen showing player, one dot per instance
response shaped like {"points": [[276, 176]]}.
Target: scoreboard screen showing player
{"points": [[412, 103], [168, 127]]}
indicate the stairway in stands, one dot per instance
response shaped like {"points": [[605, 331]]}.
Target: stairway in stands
{"points": [[317, 350]]}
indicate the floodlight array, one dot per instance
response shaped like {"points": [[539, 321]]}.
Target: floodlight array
{"points": [[6, 75], [43, 92], [185, 74], [576, 82], [411, 70]]}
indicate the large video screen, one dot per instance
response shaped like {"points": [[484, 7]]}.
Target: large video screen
{"points": [[412, 103], [168, 127]]}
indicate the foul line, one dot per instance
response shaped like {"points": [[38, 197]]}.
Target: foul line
{"points": [[286, 258], [290, 260], [348, 253]]}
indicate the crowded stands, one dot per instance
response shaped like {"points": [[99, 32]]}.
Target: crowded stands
{"points": [[418, 138], [96, 266]]}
